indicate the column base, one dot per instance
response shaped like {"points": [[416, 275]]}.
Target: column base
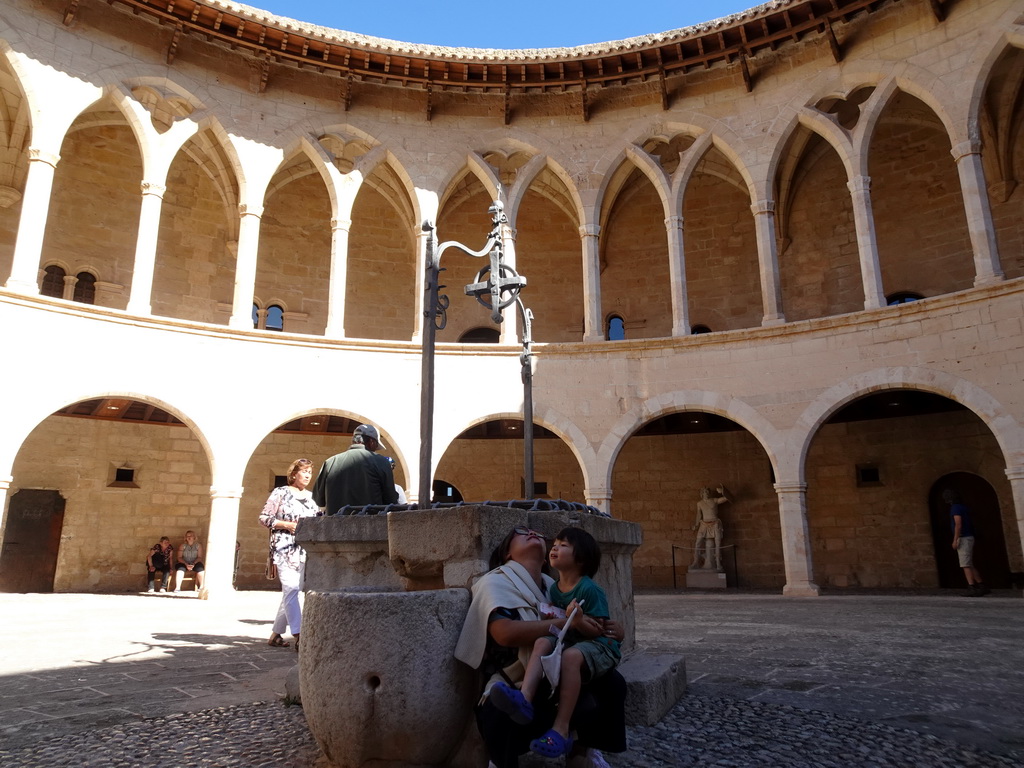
{"points": [[805, 589], [992, 279], [25, 288]]}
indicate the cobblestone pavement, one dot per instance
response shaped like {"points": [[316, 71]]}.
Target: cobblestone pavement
{"points": [[856, 680]]}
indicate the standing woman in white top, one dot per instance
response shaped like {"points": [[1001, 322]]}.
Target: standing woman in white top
{"points": [[281, 514]]}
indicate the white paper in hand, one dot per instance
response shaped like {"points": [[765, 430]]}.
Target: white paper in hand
{"points": [[551, 665]]}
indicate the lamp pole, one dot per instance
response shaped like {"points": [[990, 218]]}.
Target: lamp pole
{"points": [[526, 360], [502, 284]]}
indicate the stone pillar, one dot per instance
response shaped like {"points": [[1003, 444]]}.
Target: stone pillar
{"points": [[510, 323], [593, 325], [768, 262], [1016, 477], [70, 281], [421, 275], [245, 266], [796, 547], [677, 276], [221, 540], [5, 486], [967, 155], [600, 498], [139, 300], [32, 223], [867, 243], [338, 287]]}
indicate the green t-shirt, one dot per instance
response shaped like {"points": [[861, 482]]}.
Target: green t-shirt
{"points": [[595, 605]]}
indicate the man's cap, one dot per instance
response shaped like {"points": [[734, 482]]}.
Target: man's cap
{"points": [[368, 430]]}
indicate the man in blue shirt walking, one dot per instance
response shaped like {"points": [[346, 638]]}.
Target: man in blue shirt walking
{"points": [[963, 542]]}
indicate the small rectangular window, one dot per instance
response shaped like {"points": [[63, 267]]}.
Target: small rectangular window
{"points": [[280, 480], [868, 475], [122, 477]]}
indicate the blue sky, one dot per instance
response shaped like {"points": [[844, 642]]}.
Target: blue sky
{"points": [[521, 24]]}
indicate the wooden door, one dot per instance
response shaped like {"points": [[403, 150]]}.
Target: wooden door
{"points": [[989, 543], [28, 560]]}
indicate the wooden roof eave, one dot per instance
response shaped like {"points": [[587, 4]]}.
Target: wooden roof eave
{"points": [[637, 64]]}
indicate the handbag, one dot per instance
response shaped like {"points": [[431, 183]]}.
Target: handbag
{"points": [[271, 570]]}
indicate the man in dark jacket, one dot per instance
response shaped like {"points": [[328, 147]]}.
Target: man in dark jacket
{"points": [[356, 477]]}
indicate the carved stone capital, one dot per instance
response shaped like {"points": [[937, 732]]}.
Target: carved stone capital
{"points": [[42, 156], [1015, 473], [9, 196], [859, 184], [590, 230], [781, 488], [965, 148], [674, 222], [763, 208], [150, 188], [226, 493], [343, 224], [250, 210]]}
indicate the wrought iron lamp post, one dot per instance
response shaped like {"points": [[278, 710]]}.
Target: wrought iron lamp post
{"points": [[501, 284]]}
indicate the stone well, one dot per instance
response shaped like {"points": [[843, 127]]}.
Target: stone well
{"points": [[386, 596]]}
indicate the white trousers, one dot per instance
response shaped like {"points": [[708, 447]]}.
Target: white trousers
{"points": [[289, 613]]}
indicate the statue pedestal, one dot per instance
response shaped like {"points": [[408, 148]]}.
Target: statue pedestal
{"points": [[705, 580]]}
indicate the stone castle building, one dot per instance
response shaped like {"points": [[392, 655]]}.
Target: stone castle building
{"points": [[781, 251]]}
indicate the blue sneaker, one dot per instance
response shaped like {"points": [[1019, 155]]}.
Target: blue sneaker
{"points": [[512, 702]]}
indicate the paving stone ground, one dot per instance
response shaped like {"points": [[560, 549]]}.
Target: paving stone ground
{"points": [[851, 680]]}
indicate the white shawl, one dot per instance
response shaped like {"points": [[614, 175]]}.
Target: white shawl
{"points": [[508, 586]]}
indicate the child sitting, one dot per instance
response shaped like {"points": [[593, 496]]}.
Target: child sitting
{"points": [[575, 555], [160, 558]]}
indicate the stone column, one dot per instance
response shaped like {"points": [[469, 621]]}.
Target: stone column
{"points": [[32, 223], [593, 326], [768, 262], [1016, 477], [5, 486], [245, 266], [510, 323], [967, 155], [70, 281], [796, 547], [140, 298], [867, 244], [600, 498], [339, 278], [677, 276], [221, 541], [421, 275]]}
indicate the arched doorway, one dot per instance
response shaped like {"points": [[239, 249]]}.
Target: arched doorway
{"points": [[990, 544]]}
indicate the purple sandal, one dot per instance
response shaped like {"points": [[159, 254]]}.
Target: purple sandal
{"points": [[551, 744], [512, 702]]}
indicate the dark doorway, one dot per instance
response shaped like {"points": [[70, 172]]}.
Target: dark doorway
{"points": [[989, 546], [28, 560], [445, 493]]}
